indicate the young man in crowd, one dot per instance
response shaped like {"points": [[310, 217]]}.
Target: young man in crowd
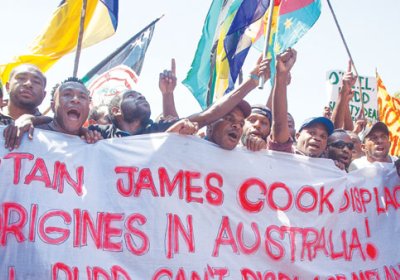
{"points": [[130, 112], [257, 128], [340, 148], [313, 134], [26, 90], [376, 145], [227, 131]]}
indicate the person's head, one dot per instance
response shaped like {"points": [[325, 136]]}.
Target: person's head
{"points": [[292, 126], [340, 147], [313, 136], [327, 112], [226, 132], [375, 142], [70, 103], [99, 115], [26, 87], [357, 151], [397, 165], [258, 123], [129, 106]]}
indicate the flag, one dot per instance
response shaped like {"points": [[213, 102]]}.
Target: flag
{"points": [[121, 69], [218, 20], [61, 35], [389, 113], [293, 19]]}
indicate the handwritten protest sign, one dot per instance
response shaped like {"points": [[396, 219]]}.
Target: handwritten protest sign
{"points": [[173, 207], [368, 96]]}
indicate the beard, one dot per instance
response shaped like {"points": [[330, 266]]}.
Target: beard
{"points": [[132, 112]]}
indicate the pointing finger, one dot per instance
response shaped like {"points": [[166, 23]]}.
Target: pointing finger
{"points": [[173, 66]]}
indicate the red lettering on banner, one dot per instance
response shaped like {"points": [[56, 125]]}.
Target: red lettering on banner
{"points": [[224, 230], [126, 191], [45, 232], [190, 189], [32, 222], [390, 198], [248, 274], [77, 227], [64, 175], [98, 273], [18, 157], [274, 249], [271, 200], [218, 273], [118, 273], [313, 193], [391, 273], [38, 166], [110, 232], [11, 273], [242, 246], [167, 185], [174, 227], [242, 194], [96, 231], [145, 181], [68, 272], [214, 194], [161, 273], [15, 228], [280, 197], [141, 220]]}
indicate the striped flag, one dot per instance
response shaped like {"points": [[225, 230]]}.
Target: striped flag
{"points": [[60, 37], [121, 69]]}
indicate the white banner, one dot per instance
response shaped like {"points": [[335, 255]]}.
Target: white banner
{"points": [[174, 207], [369, 94]]}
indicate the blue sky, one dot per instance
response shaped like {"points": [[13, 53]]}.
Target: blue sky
{"points": [[370, 27]]}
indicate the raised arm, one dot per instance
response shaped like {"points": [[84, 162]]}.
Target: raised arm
{"points": [[229, 101], [280, 128], [167, 84], [341, 116]]}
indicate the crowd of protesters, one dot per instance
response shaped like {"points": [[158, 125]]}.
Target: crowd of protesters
{"points": [[229, 122]]}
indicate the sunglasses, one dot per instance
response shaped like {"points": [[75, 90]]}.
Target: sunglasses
{"points": [[341, 144]]}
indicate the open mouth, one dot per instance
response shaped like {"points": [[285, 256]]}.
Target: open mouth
{"points": [[233, 135], [73, 114]]}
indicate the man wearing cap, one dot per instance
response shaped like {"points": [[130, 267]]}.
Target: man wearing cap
{"points": [[313, 134], [257, 128], [226, 132], [376, 145]]}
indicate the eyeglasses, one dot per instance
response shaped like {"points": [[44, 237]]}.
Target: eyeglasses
{"points": [[341, 144]]}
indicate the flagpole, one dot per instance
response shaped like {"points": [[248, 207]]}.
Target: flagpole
{"points": [[266, 42], [349, 54], [104, 61], [80, 38]]}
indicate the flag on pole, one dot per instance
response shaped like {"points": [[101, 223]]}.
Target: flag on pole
{"points": [[61, 34], [218, 20], [121, 69], [389, 113]]}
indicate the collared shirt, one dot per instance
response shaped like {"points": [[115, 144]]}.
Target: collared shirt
{"points": [[112, 131]]}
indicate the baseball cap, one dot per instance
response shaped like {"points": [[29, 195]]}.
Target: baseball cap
{"points": [[322, 120], [368, 129], [262, 110], [244, 106]]}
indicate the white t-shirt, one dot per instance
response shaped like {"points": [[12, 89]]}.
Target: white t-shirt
{"points": [[363, 162]]}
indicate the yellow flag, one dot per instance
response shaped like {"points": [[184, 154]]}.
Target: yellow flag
{"points": [[61, 35], [389, 113]]}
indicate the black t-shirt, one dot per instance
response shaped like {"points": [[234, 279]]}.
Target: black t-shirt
{"points": [[112, 131]]}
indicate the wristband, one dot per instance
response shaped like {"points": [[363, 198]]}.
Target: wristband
{"points": [[254, 77]]}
